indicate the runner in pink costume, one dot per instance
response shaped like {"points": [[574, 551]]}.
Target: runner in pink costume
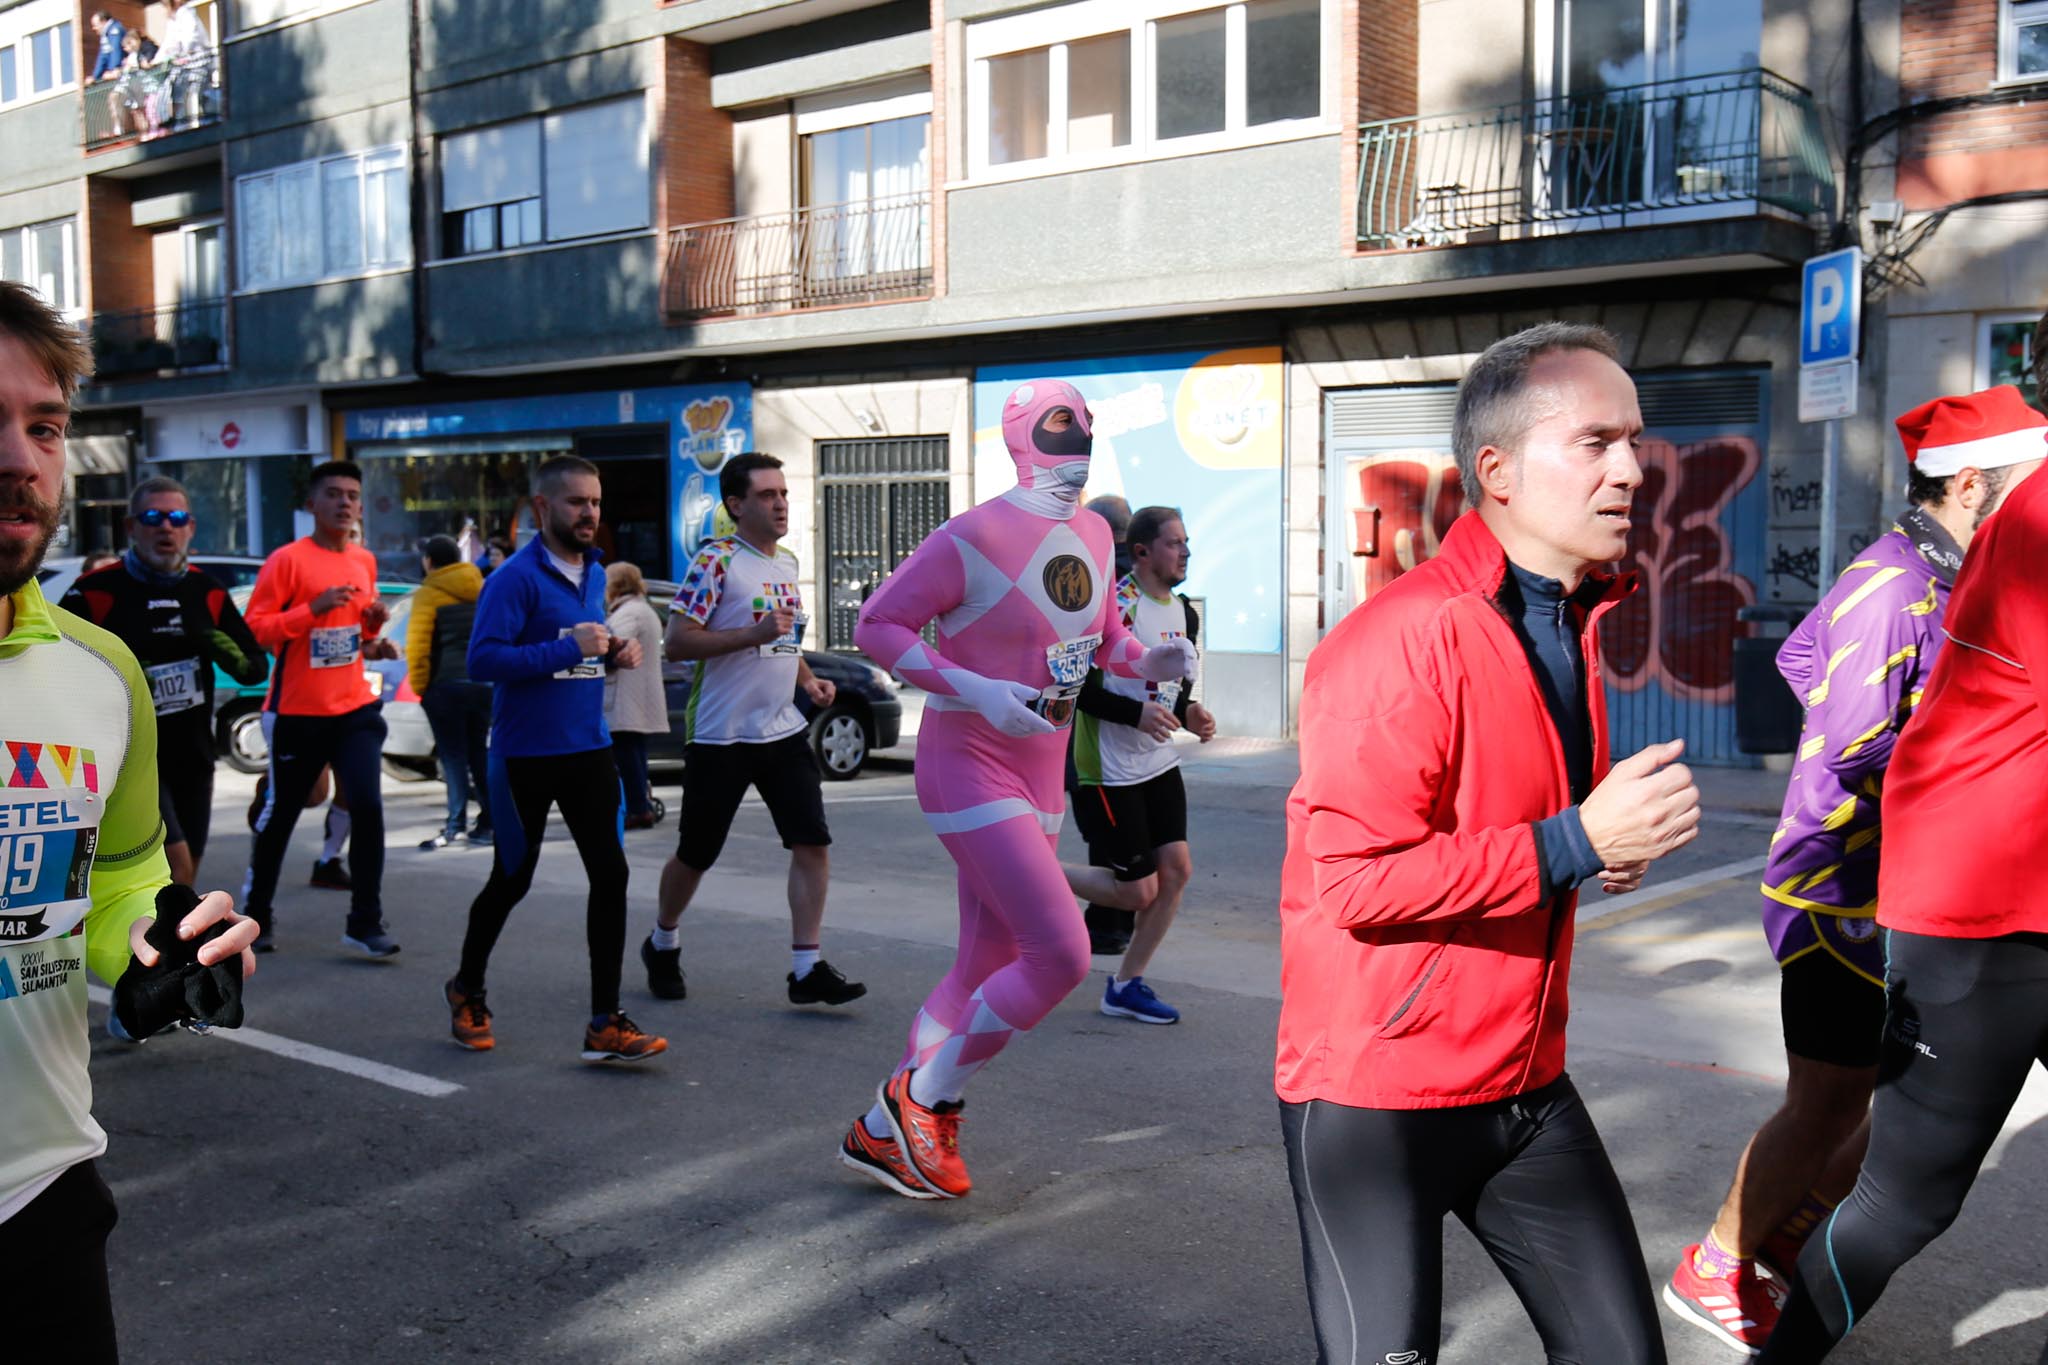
{"points": [[1020, 589]]}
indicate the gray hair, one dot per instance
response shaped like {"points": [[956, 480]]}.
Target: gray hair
{"points": [[1493, 406], [154, 486]]}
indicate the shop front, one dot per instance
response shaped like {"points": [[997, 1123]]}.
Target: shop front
{"points": [[466, 468], [1201, 432], [243, 466]]}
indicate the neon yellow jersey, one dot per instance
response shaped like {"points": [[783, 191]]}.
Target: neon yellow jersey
{"points": [[81, 859]]}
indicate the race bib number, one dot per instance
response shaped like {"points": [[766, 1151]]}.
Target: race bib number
{"points": [[174, 687], [1169, 694], [335, 646], [789, 643], [1068, 661], [588, 668], [46, 848]]}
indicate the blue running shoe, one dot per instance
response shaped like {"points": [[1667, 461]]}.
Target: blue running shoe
{"points": [[1136, 1001]]}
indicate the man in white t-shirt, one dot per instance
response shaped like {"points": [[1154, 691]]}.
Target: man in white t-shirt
{"points": [[1125, 783], [739, 615]]}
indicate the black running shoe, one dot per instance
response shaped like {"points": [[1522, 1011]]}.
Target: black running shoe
{"points": [[330, 875], [823, 985], [664, 970]]}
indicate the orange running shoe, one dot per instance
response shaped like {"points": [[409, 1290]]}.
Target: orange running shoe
{"points": [[930, 1138], [621, 1040], [882, 1159], [469, 1020]]}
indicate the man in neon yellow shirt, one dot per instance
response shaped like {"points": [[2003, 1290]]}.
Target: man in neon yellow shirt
{"points": [[81, 859]]}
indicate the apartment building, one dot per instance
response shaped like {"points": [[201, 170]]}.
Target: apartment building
{"points": [[450, 237]]}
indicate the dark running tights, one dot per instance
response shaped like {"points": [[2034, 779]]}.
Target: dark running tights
{"points": [[586, 787], [1530, 1179], [1965, 1021]]}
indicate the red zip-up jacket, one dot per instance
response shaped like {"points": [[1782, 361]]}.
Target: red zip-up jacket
{"points": [[1966, 796], [1421, 965]]}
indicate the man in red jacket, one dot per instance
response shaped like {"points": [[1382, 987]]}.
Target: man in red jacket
{"points": [[1966, 931], [1454, 794]]}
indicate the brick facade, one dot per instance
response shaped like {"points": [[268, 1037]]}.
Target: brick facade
{"points": [[1949, 48], [1379, 48], [695, 179], [118, 271]]}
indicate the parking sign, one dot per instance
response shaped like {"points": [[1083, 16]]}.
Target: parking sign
{"points": [[1831, 308]]}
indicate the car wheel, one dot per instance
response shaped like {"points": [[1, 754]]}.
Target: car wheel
{"points": [[841, 743], [409, 769], [242, 742]]}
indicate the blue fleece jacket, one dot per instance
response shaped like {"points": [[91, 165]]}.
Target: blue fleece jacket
{"points": [[547, 699]]}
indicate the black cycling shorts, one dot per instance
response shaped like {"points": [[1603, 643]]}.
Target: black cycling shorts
{"points": [[716, 778], [1831, 1013], [1126, 826], [184, 798]]}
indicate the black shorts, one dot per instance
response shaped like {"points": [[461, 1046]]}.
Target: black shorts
{"points": [[716, 777], [1831, 1014], [184, 798], [1125, 826]]}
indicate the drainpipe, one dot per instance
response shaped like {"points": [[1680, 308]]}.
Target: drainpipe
{"points": [[416, 190]]}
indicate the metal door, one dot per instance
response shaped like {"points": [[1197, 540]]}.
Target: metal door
{"points": [[880, 498]]}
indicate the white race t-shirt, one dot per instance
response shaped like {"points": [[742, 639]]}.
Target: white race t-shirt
{"points": [[1112, 755], [748, 696]]}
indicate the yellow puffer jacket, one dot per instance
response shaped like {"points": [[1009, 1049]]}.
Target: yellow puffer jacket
{"points": [[449, 584]]}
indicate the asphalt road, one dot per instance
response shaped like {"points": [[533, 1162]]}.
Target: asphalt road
{"points": [[1131, 1200]]}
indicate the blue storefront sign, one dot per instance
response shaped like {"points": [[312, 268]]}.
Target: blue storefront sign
{"points": [[707, 425], [1200, 431]]}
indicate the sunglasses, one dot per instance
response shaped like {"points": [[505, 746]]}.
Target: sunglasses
{"points": [[157, 516]]}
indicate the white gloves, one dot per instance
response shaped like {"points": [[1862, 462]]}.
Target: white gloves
{"points": [[1002, 703], [1169, 661]]}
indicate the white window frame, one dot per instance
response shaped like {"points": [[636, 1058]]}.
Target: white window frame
{"points": [[76, 308], [1057, 27], [17, 27], [1982, 357], [2012, 16], [312, 9], [368, 161], [648, 132]]}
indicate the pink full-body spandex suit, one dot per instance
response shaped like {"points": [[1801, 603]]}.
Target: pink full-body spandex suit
{"points": [[1021, 590]]}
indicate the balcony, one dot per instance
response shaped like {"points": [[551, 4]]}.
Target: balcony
{"points": [[171, 338], [824, 256], [182, 91], [1740, 144]]}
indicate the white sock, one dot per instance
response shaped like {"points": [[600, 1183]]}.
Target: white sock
{"points": [[667, 940], [337, 834], [1117, 983], [877, 1122], [943, 1077], [801, 960]]}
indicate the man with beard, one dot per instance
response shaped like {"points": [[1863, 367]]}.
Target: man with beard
{"points": [[83, 846], [315, 607], [540, 637], [180, 622]]}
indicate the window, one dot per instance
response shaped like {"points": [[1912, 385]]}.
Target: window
{"points": [[36, 57], [8, 92], [1098, 81], [2005, 353], [52, 58], [578, 173], [2023, 40], [325, 219], [43, 256]]}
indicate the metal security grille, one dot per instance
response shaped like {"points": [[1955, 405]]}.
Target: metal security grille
{"points": [[881, 499]]}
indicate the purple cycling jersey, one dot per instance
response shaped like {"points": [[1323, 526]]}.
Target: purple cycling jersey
{"points": [[1857, 663]]}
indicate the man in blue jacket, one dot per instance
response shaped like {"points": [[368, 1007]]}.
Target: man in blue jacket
{"points": [[540, 638], [108, 64]]}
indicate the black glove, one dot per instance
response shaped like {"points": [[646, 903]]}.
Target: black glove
{"points": [[178, 989]]}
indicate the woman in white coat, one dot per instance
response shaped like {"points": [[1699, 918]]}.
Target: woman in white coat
{"points": [[634, 703]]}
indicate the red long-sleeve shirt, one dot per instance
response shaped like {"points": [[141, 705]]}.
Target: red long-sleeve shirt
{"points": [[319, 658], [1966, 801]]}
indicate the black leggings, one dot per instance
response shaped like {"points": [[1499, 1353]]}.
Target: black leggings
{"points": [[586, 787], [53, 1266], [1965, 1021], [300, 746], [1530, 1179]]}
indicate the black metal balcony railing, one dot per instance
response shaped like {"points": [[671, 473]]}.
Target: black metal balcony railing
{"points": [[821, 256], [1617, 158], [177, 336], [152, 102]]}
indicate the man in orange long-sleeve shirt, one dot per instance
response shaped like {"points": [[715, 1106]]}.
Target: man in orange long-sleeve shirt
{"points": [[315, 608]]}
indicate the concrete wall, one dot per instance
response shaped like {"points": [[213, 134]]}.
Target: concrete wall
{"points": [[42, 142], [344, 332], [572, 299], [1474, 54], [325, 68], [764, 163]]}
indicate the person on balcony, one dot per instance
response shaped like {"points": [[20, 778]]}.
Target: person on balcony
{"points": [[107, 65], [131, 102], [188, 52]]}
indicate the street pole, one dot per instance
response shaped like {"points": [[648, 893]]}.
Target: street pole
{"points": [[1830, 489]]}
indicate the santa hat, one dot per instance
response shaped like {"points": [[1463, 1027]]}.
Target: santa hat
{"points": [[1976, 430]]}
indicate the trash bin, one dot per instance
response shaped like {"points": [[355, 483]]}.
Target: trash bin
{"points": [[1767, 713]]}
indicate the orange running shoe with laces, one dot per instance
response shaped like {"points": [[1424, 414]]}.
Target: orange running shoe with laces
{"points": [[882, 1159], [621, 1040], [469, 1020], [930, 1138]]}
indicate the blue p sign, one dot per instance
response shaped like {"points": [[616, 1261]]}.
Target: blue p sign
{"points": [[1831, 307]]}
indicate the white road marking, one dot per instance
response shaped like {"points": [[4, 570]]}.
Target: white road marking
{"points": [[412, 1082], [1132, 1134], [1678, 886]]}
